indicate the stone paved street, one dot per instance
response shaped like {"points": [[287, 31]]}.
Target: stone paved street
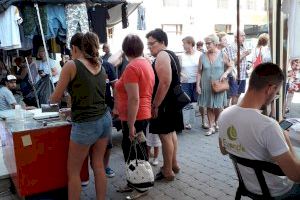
{"points": [[205, 173]]}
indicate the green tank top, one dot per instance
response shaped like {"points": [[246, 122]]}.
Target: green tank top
{"points": [[88, 94]]}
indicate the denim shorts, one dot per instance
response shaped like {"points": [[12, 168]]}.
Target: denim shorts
{"points": [[190, 89], [236, 87], [87, 133]]}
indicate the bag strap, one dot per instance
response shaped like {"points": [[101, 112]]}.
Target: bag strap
{"points": [[134, 144], [176, 66]]}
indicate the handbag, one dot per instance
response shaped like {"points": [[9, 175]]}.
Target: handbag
{"points": [[258, 59], [182, 99], [219, 86], [139, 173]]}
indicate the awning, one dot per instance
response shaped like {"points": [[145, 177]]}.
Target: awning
{"points": [[116, 14], [6, 3]]}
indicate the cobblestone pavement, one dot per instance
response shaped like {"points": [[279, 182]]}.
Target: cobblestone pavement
{"points": [[205, 173]]}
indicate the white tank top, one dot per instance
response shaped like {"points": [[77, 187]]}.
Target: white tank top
{"points": [[189, 65]]}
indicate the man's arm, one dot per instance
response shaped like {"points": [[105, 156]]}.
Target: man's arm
{"points": [[67, 74], [222, 148], [289, 164], [9, 97]]}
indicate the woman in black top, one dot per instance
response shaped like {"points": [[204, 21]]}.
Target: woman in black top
{"points": [[166, 118]]}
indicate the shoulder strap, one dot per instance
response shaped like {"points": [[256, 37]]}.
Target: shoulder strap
{"points": [[172, 59]]}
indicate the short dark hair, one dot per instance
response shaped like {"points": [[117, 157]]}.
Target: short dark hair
{"points": [[189, 40], [200, 44], [159, 35], [133, 46], [265, 74], [76, 40]]}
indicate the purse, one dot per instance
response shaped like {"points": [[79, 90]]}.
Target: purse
{"points": [[219, 86], [182, 99], [139, 173]]}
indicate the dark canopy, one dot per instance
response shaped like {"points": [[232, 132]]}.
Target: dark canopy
{"points": [[4, 4]]}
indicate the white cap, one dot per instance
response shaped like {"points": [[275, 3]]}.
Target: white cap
{"points": [[10, 77]]}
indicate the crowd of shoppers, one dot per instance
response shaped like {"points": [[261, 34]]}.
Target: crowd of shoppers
{"points": [[143, 97]]}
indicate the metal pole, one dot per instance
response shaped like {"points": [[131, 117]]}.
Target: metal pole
{"points": [[34, 90], [238, 38], [44, 42]]}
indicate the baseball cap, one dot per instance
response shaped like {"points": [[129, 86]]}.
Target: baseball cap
{"points": [[11, 78]]}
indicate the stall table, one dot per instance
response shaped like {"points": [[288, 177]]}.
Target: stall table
{"points": [[35, 154]]}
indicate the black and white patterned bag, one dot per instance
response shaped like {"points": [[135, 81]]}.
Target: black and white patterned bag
{"points": [[139, 173]]}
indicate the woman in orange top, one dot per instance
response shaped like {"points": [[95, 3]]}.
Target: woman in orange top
{"points": [[133, 96]]}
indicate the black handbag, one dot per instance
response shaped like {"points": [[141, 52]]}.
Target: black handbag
{"points": [[182, 99]]}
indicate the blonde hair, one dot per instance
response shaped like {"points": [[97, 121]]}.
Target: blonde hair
{"points": [[263, 39], [212, 37]]}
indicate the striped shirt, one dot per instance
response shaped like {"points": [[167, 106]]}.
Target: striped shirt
{"points": [[231, 51], [6, 99]]}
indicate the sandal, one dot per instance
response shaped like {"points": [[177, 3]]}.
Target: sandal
{"points": [[160, 177], [210, 132]]}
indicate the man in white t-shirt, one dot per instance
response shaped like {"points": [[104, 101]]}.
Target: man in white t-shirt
{"points": [[246, 133], [43, 65]]}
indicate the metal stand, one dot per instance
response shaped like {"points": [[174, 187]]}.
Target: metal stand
{"points": [[44, 42], [31, 79]]}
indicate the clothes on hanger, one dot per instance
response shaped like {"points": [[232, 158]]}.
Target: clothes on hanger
{"points": [[57, 26], [97, 18], [9, 29], [125, 22], [76, 19], [141, 23]]}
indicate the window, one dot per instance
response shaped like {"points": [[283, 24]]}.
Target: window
{"points": [[223, 4], [251, 5], [171, 3], [110, 32], [223, 28], [172, 28], [251, 29]]}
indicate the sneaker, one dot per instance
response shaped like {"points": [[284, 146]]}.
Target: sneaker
{"points": [[109, 172], [205, 126], [85, 183], [155, 162], [188, 126], [210, 132], [216, 128], [135, 195]]}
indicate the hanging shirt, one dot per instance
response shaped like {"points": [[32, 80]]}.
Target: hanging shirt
{"points": [[141, 24], [97, 17], [292, 8], [9, 29]]}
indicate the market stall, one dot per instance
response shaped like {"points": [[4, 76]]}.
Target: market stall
{"points": [[35, 151]]}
